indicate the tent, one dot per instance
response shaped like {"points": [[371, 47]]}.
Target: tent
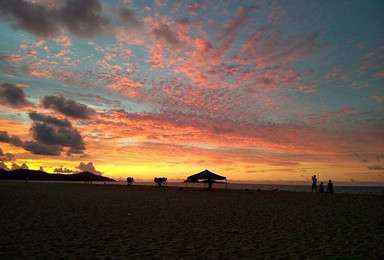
{"points": [[206, 175]]}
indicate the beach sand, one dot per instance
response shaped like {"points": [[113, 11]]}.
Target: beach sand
{"points": [[84, 221]]}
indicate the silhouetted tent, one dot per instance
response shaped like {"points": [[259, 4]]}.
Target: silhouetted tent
{"points": [[207, 177]]}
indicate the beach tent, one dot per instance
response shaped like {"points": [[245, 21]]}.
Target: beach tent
{"points": [[205, 175]]}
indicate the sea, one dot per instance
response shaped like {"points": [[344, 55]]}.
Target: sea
{"points": [[368, 190]]}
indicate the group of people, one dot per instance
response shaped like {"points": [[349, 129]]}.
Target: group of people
{"points": [[321, 186]]}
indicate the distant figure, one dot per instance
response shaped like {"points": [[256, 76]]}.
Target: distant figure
{"points": [[330, 187], [26, 179], [321, 187], [129, 180], [210, 182], [314, 183]]}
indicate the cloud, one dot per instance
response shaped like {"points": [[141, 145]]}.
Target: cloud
{"points": [[159, 3], [14, 140], [49, 120], [375, 167], [13, 96], [50, 140], [52, 134], [16, 166], [89, 168], [62, 170], [6, 157], [378, 98], [81, 18], [33, 147], [128, 17], [164, 33], [232, 27], [67, 107], [360, 157], [42, 149], [3, 166], [58, 136]]}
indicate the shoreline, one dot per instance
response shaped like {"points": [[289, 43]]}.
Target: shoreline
{"points": [[368, 190]]}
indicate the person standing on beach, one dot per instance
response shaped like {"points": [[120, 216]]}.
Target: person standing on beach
{"points": [[330, 187], [314, 183]]}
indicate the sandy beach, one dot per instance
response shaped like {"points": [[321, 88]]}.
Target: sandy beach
{"points": [[84, 221]]}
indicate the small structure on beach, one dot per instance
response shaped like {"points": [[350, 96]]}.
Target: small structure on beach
{"points": [[160, 180], [207, 177], [130, 180]]}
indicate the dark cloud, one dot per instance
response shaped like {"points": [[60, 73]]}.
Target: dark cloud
{"points": [[30, 17], [67, 107], [49, 119], [128, 17], [49, 140], [42, 149], [164, 33], [89, 168], [375, 167], [59, 136], [62, 170], [81, 18], [32, 146], [183, 21], [14, 140], [13, 96]]}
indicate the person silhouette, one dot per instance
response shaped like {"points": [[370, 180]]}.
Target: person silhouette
{"points": [[210, 182], [321, 187], [314, 183], [330, 187]]}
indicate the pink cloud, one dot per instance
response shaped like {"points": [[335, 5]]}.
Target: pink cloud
{"points": [[232, 27], [63, 40], [159, 3], [378, 98]]}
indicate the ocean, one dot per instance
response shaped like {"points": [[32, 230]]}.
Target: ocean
{"points": [[369, 190]]}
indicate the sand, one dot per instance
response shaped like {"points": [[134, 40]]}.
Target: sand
{"points": [[84, 221]]}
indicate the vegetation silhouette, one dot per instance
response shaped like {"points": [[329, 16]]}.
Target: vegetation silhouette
{"points": [[30, 175], [130, 180], [160, 180]]}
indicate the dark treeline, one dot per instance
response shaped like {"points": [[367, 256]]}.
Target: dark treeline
{"points": [[21, 174]]}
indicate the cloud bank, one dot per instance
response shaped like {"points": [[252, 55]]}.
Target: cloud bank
{"points": [[81, 18], [13, 96]]}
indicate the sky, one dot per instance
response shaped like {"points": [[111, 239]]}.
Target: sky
{"points": [[263, 91]]}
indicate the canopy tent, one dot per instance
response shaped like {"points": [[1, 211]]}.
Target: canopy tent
{"points": [[206, 175]]}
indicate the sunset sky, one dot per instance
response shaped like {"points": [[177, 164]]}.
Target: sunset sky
{"points": [[252, 90]]}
